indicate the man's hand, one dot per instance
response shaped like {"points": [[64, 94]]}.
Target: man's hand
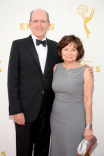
{"points": [[19, 118], [90, 70]]}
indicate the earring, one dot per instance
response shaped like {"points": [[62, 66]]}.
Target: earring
{"points": [[61, 57], [77, 54]]}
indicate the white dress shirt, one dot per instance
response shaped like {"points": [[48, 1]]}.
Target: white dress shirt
{"points": [[41, 51]]}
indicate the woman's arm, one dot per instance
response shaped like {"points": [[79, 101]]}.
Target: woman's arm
{"points": [[54, 68], [88, 89]]}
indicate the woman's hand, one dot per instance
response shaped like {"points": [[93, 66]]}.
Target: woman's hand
{"points": [[88, 134]]}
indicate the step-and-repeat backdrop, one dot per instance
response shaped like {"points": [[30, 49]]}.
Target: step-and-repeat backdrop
{"points": [[84, 18]]}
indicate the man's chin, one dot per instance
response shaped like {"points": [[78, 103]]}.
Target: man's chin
{"points": [[40, 37]]}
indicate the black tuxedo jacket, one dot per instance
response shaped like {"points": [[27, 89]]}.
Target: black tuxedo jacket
{"points": [[26, 83]]}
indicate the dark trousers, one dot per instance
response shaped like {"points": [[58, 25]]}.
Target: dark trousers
{"points": [[37, 132]]}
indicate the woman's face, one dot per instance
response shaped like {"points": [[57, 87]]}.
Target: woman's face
{"points": [[69, 53]]}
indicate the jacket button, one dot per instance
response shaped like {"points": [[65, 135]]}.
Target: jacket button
{"points": [[42, 93]]}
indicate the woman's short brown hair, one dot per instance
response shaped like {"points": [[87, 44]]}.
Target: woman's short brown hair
{"points": [[66, 40]]}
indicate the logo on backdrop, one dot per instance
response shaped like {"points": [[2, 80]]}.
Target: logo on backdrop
{"points": [[82, 10], [25, 26], [96, 68], [3, 153], [0, 68]]}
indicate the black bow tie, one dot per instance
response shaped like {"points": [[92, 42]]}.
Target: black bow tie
{"points": [[38, 42]]}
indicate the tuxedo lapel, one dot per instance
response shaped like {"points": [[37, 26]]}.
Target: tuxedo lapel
{"points": [[32, 49], [49, 54]]}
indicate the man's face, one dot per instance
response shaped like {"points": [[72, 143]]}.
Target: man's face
{"points": [[39, 24]]}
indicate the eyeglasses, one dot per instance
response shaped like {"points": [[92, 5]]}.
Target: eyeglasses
{"points": [[36, 22]]}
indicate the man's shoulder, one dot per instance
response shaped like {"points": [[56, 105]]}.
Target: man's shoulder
{"points": [[22, 40], [52, 41]]}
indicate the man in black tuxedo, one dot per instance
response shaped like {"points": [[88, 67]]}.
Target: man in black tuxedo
{"points": [[30, 75]]}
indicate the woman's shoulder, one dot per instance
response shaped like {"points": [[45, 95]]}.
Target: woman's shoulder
{"points": [[87, 74], [56, 66], [87, 70]]}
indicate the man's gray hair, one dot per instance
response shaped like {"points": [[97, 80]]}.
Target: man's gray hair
{"points": [[39, 9]]}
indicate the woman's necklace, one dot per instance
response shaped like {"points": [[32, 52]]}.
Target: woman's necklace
{"points": [[68, 70]]}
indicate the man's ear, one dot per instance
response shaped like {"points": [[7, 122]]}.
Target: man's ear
{"points": [[48, 25], [30, 24]]}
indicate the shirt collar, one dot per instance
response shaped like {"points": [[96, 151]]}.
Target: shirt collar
{"points": [[34, 38]]}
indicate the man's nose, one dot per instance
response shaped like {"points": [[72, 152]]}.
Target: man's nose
{"points": [[39, 24]]}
